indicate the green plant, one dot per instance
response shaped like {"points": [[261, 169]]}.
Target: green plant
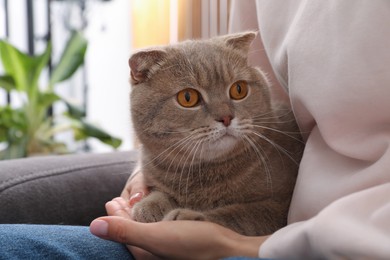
{"points": [[28, 129]]}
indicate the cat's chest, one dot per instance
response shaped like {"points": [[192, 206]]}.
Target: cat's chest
{"points": [[206, 186]]}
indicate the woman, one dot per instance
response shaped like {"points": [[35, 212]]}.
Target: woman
{"points": [[332, 58]]}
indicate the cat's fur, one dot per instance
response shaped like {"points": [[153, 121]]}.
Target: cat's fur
{"points": [[239, 173]]}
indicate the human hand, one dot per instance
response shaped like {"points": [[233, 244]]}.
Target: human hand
{"points": [[133, 192], [172, 239], [135, 188]]}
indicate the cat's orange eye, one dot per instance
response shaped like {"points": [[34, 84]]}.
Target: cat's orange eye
{"points": [[238, 90], [188, 97]]}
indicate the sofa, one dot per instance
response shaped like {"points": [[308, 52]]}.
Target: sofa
{"points": [[62, 189]]}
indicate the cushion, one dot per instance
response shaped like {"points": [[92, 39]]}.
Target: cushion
{"points": [[63, 189]]}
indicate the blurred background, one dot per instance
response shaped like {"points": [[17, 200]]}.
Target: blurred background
{"points": [[64, 73]]}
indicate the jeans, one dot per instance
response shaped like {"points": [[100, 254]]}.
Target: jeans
{"points": [[58, 242]]}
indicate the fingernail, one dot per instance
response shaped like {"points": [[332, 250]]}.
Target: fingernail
{"points": [[99, 228], [135, 198]]}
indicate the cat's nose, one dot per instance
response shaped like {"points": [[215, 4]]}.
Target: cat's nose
{"points": [[225, 120]]}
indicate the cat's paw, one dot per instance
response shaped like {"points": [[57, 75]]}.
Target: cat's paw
{"points": [[147, 212], [152, 208], [185, 214]]}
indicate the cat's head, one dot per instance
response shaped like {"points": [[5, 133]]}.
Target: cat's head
{"points": [[197, 99]]}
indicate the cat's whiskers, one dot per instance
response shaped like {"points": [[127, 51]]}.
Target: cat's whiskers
{"points": [[273, 118], [252, 144], [276, 119], [278, 147], [184, 145], [200, 167], [289, 134], [247, 129], [190, 169], [205, 134], [275, 122], [190, 152], [272, 112], [194, 146], [174, 146], [167, 152]]}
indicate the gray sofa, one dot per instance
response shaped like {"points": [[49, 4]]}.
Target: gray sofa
{"points": [[66, 189]]}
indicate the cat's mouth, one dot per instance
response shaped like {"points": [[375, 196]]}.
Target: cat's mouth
{"points": [[226, 136], [219, 147], [219, 142], [223, 143]]}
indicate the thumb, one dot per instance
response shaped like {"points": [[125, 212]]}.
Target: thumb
{"points": [[124, 231], [114, 228]]}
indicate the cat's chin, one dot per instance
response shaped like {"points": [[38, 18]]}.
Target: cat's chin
{"points": [[218, 148]]}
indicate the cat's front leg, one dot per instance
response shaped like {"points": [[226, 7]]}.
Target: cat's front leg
{"points": [[153, 207], [185, 214], [251, 218]]}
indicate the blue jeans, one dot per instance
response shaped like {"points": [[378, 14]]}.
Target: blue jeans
{"points": [[57, 242]]}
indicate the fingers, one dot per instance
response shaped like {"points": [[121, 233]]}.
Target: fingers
{"points": [[121, 208], [167, 239], [135, 198], [118, 229], [134, 185], [133, 192], [118, 207], [141, 238]]}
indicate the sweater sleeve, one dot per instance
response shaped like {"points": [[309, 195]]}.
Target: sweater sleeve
{"points": [[332, 57], [343, 230]]}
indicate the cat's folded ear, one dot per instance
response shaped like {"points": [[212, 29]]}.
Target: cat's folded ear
{"points": [[144, 63], [240, 41]]}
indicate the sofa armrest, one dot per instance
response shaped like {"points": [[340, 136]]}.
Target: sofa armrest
{"points": [[66, 189]]}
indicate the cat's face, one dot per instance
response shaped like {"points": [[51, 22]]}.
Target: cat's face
{"points": [[197, 100]]}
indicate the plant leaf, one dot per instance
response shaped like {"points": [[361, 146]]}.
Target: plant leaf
{"points": [[46, 99], [7, 82], [13, 125], [14, 63], [38, 63], [74, 111], [71, 58], [83, 130], [24, 69]]}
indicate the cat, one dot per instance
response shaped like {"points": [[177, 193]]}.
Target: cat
{"points": [[213, 146]]}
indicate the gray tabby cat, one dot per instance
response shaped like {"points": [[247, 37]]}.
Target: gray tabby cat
{"points": [[214, 148]]}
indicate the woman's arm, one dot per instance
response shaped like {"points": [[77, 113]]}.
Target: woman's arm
{"points": [[172, 239]]}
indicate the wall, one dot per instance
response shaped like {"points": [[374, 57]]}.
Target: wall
{"points": [[108, 72]]}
